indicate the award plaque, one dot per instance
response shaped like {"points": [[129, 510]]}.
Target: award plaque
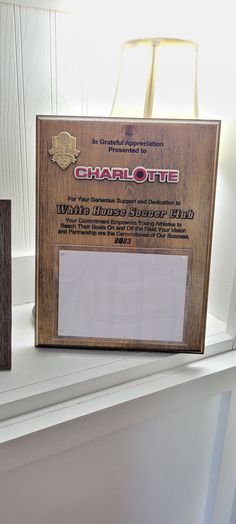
{"points": [[5, 284], [124, 228]]}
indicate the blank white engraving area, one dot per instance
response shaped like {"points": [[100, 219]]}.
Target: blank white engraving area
{"points": [[139, 296]]}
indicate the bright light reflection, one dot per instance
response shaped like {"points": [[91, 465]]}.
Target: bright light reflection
{"points": [[175, 82], [172, 75]]}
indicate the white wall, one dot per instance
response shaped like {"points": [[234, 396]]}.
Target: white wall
{"points": [[160, 471], [54, 62], [160, 450]]}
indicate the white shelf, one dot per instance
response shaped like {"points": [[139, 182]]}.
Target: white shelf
{"points": [[43, 377]]}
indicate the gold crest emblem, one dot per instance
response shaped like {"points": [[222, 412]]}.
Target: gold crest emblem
{"points": [[64, 150]]}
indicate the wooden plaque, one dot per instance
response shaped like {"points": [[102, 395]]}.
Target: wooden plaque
{"points": [[124, 229], [5, 284]]}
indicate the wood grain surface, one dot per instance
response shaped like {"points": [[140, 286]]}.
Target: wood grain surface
{"points": [[5, 284], [164, 216]]}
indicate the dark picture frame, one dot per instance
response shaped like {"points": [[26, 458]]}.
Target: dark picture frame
{"points": [[5, 285]]}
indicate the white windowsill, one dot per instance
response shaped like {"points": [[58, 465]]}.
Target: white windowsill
{"points": [[43, 378]]}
